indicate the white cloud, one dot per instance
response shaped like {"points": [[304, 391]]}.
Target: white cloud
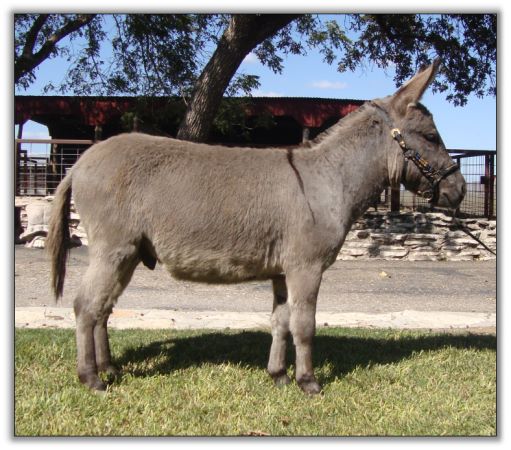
{"points": [[325, 84], [251, 58]]}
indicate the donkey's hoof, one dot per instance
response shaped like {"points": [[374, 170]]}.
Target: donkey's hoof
{"points": [[97, 385], [309, 386], [281, 379], [110, 371], [93, 382]]}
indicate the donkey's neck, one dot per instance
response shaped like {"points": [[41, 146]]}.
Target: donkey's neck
{"points": [[352, 159]]}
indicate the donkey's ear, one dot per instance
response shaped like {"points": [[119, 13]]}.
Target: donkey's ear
{"points": [[411, 92]]}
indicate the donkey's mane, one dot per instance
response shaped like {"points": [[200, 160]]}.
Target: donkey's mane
{"points": [[341, 123]]}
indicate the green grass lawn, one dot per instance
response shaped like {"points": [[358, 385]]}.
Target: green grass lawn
{"points": [[376, 382]]}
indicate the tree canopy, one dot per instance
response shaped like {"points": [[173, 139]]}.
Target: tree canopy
{"points": [[179, 54]]}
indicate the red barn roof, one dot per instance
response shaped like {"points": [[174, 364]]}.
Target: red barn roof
{"points": [[308, 112]]}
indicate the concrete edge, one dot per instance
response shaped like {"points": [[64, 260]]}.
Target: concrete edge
{"points": [[53, 317]]}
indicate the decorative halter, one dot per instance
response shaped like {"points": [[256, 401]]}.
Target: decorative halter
{"points": [[434, 176]]}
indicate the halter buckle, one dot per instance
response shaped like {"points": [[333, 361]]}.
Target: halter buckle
{"points": [[396, 134]]}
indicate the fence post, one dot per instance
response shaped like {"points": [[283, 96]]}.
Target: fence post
{"points": [[98, 132], [394, 199], [458, 162], [487, 186], [491, 181], [17, 151], [305, 134]]}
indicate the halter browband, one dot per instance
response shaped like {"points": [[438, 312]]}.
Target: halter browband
{"points": [[434, 176]]}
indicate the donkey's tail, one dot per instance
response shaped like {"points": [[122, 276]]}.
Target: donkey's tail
{"points": [[57, 242]]}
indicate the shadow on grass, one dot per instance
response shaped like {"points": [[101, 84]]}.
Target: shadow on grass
{"points": [[251, 348]]}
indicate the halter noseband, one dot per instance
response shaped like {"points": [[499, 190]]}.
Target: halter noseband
{"points": [[434, 176]]}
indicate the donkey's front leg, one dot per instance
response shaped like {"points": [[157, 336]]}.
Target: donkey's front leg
{"points": [[279, 332], [303, 287]]}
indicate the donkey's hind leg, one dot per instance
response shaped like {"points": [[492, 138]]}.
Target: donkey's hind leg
{"points": [[107, 275], [102, 346]]}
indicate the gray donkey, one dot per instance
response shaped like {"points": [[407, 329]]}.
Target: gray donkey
{"points": [[226, 215]]}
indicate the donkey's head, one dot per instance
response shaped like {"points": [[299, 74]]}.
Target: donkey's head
{"points": [[417, 155]]}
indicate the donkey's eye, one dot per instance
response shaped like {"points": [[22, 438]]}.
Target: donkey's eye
{"points": [[431, 137]]}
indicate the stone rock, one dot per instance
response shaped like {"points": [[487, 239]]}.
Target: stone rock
{"points": [[473, 227], [455, 234], [361, 234], [381, 238], [424, 251], [38, 215], [449, 254], [358, 244], [461, 258], [392, 252], [452, 248], [467, 242], [438, 215], [413, 243], [423, 257], [470, 252], [420, 217], [36, 242], [353, 251], [424, 236], [75, 241]]}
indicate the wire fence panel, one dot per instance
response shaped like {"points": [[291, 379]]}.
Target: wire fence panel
{"points": [[41, 164]]}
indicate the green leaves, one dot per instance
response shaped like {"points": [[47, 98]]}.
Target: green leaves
{"points": [[466, 44]]}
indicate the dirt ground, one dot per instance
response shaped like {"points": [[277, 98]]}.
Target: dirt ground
{"points": [[371, 286]]}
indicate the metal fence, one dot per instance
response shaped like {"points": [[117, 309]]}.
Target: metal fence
{"points": [[41, 165]]}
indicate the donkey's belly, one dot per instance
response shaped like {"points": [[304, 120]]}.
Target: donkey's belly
{"points": [[220, 270], [219, 274]]}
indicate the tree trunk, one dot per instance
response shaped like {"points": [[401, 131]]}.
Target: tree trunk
{"points": [[244, 33]]}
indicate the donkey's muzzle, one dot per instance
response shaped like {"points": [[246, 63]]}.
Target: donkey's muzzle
{"points": [[451, 191]]}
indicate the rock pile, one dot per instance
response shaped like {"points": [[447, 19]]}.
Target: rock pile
{"points": [[417, 236]]}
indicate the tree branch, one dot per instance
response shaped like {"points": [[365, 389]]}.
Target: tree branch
{"points": [[28, 60], [32, 34]]}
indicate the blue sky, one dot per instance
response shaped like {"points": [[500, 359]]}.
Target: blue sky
{"points": [[470, 127]]}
